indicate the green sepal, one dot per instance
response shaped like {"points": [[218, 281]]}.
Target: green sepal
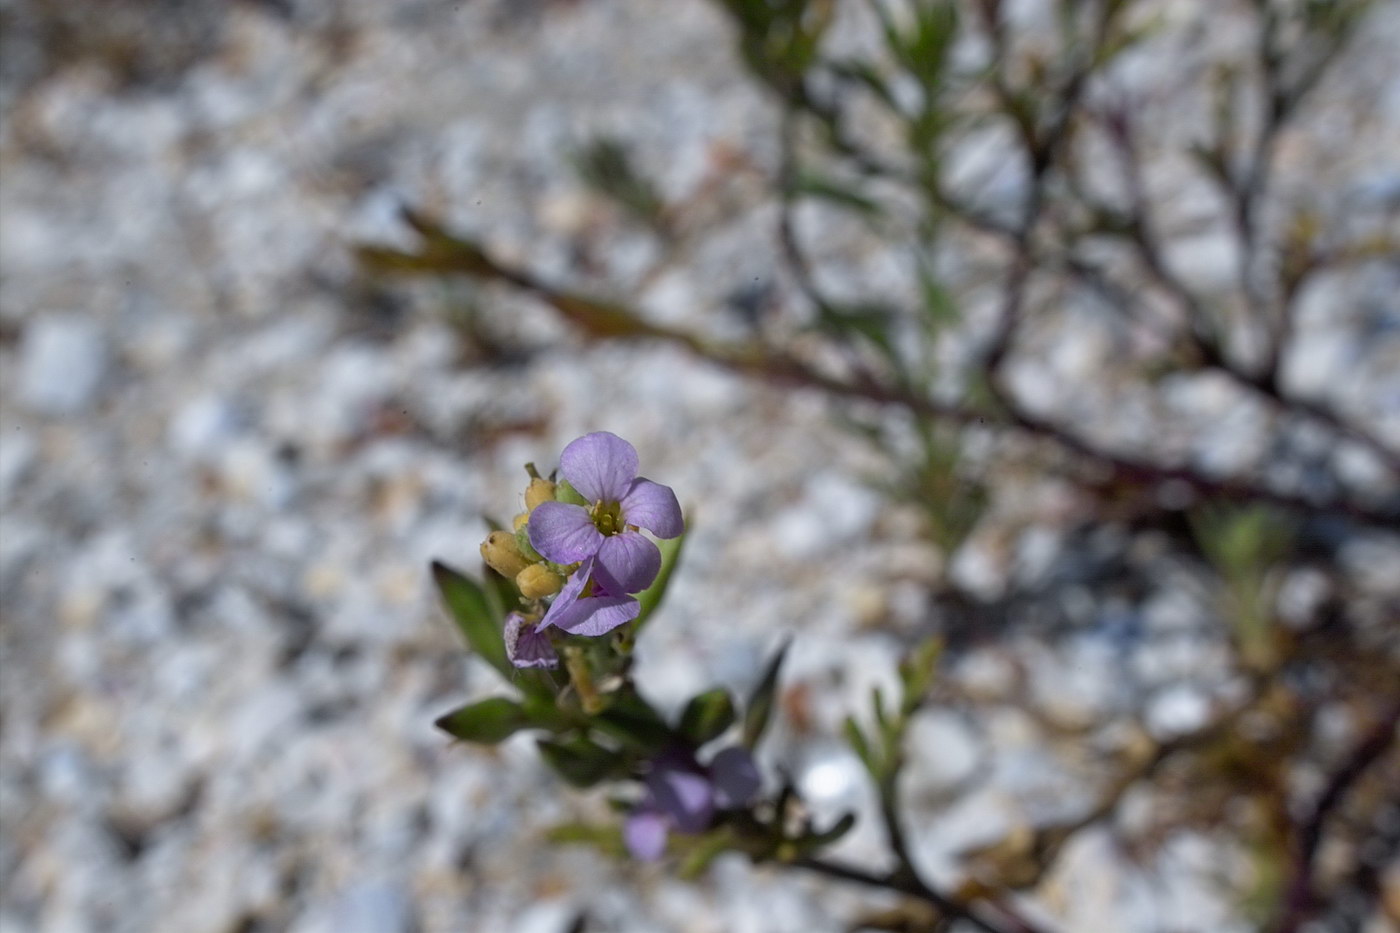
{"points": [[471, 609], [707, 715], [522, 541], [565, 492], [759, 709], [485, 721]]}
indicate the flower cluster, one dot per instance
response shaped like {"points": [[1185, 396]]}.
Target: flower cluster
{"points": [[579, 541], [683, 795]]}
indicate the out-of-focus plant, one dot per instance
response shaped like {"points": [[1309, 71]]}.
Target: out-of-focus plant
{"points": [[1078, 211]]}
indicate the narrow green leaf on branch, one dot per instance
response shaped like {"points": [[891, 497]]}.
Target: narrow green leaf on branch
{"points": [[707, 715], [581, 761], [470, 609], [650, 598], [759, 709], [486, 721]]}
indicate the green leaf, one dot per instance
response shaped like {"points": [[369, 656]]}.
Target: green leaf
{"points": [[581, 761], [606, 166], [650, 598], [606, 838], [940, 310], [486, 721], [759, 709], [813, 185], [543, 711], [707, 715], [917, 670], [632, 721], [471, 610], [873, 322], [882, 718], [865, 74], [819, 840], [440, 253], [862, 748], [703, 850]]}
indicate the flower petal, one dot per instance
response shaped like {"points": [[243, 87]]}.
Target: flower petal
{"points": [[569, 595], [735, 777], [599, 466], [595, 615], [683, 795], [626, 563], [563, 533], [526, 645], [653, 507], [645, 835]]}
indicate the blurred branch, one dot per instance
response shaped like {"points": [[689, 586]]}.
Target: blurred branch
{"points": [[444, 254], [947, 905], [1302, 895], [1202, 333]]}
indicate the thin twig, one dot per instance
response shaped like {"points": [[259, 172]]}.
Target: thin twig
{"points": [[1143, 237], [1301, 900], [913, 886]]}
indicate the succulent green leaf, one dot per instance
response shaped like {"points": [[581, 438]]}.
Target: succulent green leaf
{"points": [[820, 840], [606, 838], [707, 715], [916, 672], [543, 711], [861, 746], [471, 610], [486, 721], [704, 850], [632, 721], [759, 709], [581, 761], [650, 598]]}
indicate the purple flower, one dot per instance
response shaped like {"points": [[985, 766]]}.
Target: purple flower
{"points": [[683, 795], [604, 537], [527, 645], [585, 606]]}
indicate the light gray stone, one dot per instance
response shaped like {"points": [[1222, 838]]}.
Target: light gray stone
{"points": [[64, 358]]}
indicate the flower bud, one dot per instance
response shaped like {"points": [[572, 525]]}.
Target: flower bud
{"points": [[502, 554], [520, 521], [538, 581], [539, 490]]}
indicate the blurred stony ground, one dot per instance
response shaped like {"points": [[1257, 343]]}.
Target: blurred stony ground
{"points": [[226, 461]]}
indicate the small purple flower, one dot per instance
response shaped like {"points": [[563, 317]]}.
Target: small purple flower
{"points": [[684, 795], [585, 606], [527, 645], [604, 537]]}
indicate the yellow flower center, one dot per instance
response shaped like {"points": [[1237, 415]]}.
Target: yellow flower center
{"points": [[607, 517]]}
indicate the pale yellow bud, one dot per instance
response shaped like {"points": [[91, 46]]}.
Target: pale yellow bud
{"points": [[520, 521], [502, 554], [539, 490], [538, 581]]}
